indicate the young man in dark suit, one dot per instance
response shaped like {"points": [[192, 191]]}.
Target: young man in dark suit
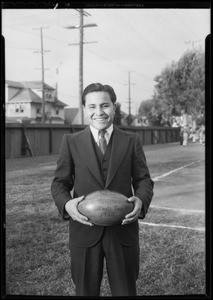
{"points": [[84, 168]]}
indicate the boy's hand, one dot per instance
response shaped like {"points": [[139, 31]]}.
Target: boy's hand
{"points": [[131, 217], [72, 210]]}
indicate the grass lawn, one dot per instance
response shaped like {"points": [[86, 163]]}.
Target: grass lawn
{"points": [[172, 258], [37, 253]]}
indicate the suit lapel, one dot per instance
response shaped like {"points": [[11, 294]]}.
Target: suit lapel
{"points": [[85, 147], [119, 148]]}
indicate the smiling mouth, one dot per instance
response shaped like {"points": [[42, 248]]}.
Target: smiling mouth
{"points": [[100, 119]]}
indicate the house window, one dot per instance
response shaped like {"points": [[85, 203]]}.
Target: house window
{"points": [[21, 108], [38, 109], [16, 108], [48, 95], [57, 110]]}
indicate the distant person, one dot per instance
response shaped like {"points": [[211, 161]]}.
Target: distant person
{"points": [[181, 135], [185, 135], [184, 119], [174, 122], [178, 120], [192, 137], [193, 130], [145, 123], [202, 135], [120, 166]]}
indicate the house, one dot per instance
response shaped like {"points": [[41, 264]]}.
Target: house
{"points": [[72, 116], [140, 120], [24, 103]]}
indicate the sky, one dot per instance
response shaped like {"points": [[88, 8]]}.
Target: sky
{"points": [[126, 43]]}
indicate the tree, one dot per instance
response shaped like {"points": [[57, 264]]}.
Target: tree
{"points": [[181, 85], [151, 110], [145, 107], [118, 116], [129, 119]]}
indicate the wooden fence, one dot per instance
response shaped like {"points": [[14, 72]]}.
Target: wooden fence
{"points": [[35, 139]]}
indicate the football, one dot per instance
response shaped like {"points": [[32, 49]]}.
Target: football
{"points": [[105, 208]]}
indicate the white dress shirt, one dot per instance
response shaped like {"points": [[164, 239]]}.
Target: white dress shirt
{"points": [[108, 133]]}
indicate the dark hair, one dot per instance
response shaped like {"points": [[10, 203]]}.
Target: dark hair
{"points": [[98, 87]]}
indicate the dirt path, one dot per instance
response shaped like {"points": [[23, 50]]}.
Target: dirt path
{"points": [[179, 175]]}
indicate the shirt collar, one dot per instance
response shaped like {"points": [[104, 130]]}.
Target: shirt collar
{"points": [[95, 132]]}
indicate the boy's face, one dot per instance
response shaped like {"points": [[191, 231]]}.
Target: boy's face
{"points": [[99, 109]]}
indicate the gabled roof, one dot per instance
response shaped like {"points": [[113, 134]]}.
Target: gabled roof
{"points": [[36, 85], [28, 84], [26, 95], [14, 84], [70, 114], [60, 103]]}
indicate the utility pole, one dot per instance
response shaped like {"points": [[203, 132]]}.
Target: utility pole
{"points": [[42, 68], [129, 98], [42, 71], [81, 42], [81, 31], [56, 85]]}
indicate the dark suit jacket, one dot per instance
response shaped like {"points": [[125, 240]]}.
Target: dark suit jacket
{"points": [[77, 168]]}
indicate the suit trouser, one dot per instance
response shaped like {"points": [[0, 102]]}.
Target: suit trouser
{"points": [[122, 263]]}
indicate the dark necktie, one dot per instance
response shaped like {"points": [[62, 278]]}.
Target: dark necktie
{"points": [[102, 141]]}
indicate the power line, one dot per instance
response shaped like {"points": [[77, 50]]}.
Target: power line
{"points": [[107, 59], [122, 28], [131, 33], [151, 48], [41, 17], [182, 21], [115, 64], [21, 48], [144, 76], [30, 33], [87, 50], [169, 27]]}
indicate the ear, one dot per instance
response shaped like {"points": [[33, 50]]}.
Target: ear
{"points": [[84, 110]]}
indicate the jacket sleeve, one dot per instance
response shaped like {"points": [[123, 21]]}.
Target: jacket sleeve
{"points": [[62, 183], [141, 180]]}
